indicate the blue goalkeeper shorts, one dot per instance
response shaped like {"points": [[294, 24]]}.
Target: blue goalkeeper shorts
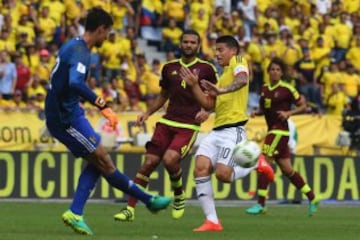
{"points": [[79, 137]]}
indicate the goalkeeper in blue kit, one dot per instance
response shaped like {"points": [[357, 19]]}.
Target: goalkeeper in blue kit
{"points": [[66, 121]]}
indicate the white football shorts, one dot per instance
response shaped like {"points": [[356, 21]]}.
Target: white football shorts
{"points": [[218, 145]]}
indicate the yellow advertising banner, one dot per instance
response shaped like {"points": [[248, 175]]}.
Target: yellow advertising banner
{"points": [[21, 131]]}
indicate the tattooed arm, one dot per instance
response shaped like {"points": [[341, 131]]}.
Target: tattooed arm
{"points": [[240, 80]]}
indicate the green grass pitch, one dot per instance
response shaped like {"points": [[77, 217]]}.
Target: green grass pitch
{"points": [[41, 221]]}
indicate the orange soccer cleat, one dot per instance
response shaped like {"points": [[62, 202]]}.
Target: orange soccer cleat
{"points": [[265, 168], [209, 226]]}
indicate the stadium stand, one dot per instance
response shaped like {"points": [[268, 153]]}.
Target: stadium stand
{"points": [[319, 39]]}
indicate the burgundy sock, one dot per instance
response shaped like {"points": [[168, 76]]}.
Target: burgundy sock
{"points": [[299, 183], [141, 179], [262, 184]]}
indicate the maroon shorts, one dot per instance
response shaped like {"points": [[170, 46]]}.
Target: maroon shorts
{"points": [[276, 146], [169, 137]]}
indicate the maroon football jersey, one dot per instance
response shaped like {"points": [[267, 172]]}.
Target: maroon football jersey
{"points": [[277, 98], [182, 104]]}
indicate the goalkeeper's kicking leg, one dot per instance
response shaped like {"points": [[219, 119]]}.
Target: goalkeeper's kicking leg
{"points": [[101, 163], [171, 162]]}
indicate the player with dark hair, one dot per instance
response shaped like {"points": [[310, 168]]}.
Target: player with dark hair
{"points": [[277, 99], [229, 99], [66, 121], [177, 130]]}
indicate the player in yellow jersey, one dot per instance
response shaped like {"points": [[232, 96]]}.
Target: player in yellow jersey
{"points": [[229, 100]]}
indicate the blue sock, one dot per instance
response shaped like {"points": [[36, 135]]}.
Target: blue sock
{"points": [[86, 184], [123, 183]]}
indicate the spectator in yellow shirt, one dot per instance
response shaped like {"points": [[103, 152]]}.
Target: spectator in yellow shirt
{"points": [[208, 46], [110, 52], [25, 26], [121, 99], [196, 6], [44, 68], [292, 20], [351, 81], [4, 104], [217, 19], [272, 45], [32, 57], [227, 26], [104, 4], [175, 9], [308, 84], [269, 18], [353, 55], [337, 101], [171, 35], [342, 37], [291, 51], [325, 32], [45, 25], [16, 103], [350, 6], [199, 22], [57, 13], [151, 79], [73, 11], [6, 43], [329, 76], [321, 56], [35, 89], [122, 11]]}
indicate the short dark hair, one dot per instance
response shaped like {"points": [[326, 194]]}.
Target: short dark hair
{"points": [[278, 61], [190, 32], [229, 41], [97, 17]]}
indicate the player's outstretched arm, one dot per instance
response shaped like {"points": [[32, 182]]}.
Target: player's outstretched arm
{"points": [[159, 102], [241, 79], [299, 108], [206, 100]]}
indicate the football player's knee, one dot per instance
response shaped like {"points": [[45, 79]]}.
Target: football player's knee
{"points": [[287, 171], [223, 176], [151, 163], [201, 171], [169, 161]]}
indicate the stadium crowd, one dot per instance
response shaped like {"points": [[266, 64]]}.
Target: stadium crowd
{"points": [[318, 39]]}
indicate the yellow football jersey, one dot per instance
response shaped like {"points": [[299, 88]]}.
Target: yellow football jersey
{"points": [[231, 107]]}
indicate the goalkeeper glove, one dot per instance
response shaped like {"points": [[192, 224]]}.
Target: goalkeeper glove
{"points": [[107, 112], [111, 116]]}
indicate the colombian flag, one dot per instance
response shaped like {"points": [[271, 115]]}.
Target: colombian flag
{"points": [[147, 13]]}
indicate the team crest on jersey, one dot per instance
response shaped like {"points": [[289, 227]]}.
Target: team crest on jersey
{"points": [[174, 72], [276, 94]]}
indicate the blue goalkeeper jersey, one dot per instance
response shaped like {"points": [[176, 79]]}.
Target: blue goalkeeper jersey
{"points": [[68, 83]]}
